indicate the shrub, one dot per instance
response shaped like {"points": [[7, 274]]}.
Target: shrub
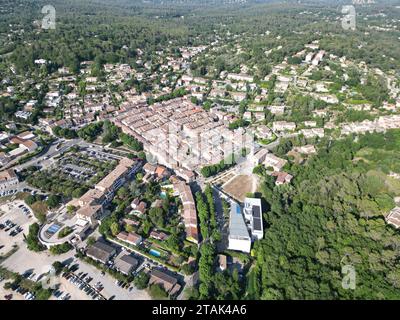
{"points": [[157, 292], [141, 280]]}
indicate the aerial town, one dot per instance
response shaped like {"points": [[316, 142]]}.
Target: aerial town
{"points": [[170, 176]]}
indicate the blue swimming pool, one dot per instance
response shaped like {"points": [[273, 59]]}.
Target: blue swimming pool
{"points": [[54, 228], [163, 195], [154, 253]]}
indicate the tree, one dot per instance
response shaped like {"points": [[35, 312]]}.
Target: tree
{"points": [[157, 292], [53, 201], [206, 262], [115, 228], [173, 242], [29, 200], [187, 269], [58, 267], [157, 217], [32, 238], [141, 280], [259, 170], [60, 248], [91, 241], [77, 193], [71, 209], [131, 142]]}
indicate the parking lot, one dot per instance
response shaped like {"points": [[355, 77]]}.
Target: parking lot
{"points": [[11, 294], [84, 165], [36, 263], [109, 284], [72, 292], [15, 218]]}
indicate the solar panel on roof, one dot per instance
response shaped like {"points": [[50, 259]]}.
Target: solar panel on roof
{"points": [[256, 212], [257, 224]]}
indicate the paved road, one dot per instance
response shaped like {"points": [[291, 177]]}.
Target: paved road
{"points": [[45, 158], [222, 223]]}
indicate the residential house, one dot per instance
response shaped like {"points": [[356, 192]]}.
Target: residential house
{"points": [[222, 261], [158, 235], [168, 282], [282, 178], [8, 180], [100, 251], [275, 162], [125, 263], [393, 217], [131, 238], [283, 126]]}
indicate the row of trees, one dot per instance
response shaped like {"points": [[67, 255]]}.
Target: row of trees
{"points": [[213, 284]]}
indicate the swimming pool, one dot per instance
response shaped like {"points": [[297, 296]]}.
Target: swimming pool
{"points": [[53, 229], [154, 253], [163, 195]]}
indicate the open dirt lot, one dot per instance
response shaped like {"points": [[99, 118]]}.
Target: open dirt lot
{"points": [[239, 186], [38, 262]]}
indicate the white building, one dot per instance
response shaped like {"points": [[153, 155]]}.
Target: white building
{"points": [[279, 110], [275, 162], [309, 57], [240, 77], [239, 238], [283, 126], [393, 217], [8, 180], [253, 215], [23, 114], [258, 157]]}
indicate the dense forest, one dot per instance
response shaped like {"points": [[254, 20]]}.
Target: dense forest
{"points": [[105, 32], [332, 216]]}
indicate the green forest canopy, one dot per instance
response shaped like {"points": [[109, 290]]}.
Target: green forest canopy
{"points": [[332, 216]]}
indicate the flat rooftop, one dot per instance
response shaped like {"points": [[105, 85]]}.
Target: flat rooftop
{"points": [[237, 226]]}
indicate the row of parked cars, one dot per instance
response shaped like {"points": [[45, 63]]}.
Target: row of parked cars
{"points": [[12, 227], [124, 285], [24, 209], [29, 296], [18, 289], [8, 193], [60, 295], [82, 282]]}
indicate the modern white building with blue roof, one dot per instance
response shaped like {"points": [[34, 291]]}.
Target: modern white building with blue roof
{"points": [[245, 226], [239, 237]]}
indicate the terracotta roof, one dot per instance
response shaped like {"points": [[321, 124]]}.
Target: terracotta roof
{"points": [[120, 170], [164, 279], [7, 175], [160, 171], [130, 237], [89, 211]]}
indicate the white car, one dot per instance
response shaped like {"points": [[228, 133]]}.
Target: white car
{"points": [[28, 296]]}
